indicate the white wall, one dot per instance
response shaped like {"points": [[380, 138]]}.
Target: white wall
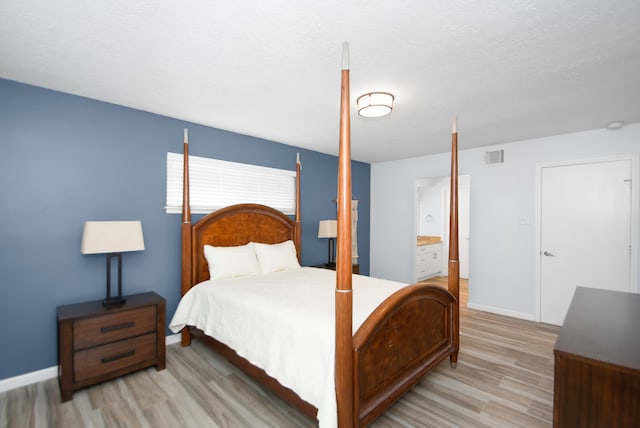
{"points": [[501, 254], [430, 203]]}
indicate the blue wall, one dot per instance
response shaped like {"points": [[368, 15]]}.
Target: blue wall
{"points": [[67, 159]]}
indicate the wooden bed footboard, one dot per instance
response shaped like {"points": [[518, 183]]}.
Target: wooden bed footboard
{"points": [[408, 334], [402, 340]]}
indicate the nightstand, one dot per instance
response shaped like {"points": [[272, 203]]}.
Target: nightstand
{"points": [[354, 268], [96, 343]]}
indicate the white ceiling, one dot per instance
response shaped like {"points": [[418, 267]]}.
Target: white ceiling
{"points": [[509, 69]]}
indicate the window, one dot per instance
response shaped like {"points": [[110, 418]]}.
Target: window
{"points": [[215, 184]]}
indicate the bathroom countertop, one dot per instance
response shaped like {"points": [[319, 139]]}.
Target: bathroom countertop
{"points": [[428, 240]]}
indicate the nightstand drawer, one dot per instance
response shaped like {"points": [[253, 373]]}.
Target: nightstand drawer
{"points": [[355, 268], [98, 343], [95, 331], [100, 360]]}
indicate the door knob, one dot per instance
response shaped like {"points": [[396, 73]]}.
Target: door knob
{"points": [[549, 254]]}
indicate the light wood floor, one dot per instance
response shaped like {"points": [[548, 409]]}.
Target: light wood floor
{"points": [[504, 378]]}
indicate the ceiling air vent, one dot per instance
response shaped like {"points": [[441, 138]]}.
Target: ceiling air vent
{"points": [[495, 157]]}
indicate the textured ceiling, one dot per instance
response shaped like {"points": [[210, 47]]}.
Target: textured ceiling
{"points": [[508, 69]]}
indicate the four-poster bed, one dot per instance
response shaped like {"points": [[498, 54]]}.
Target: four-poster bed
{"points": [[401, 333]]}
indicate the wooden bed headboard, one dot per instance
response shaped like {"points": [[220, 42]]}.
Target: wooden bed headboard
{"points": [[238, 225], [228, 227]]}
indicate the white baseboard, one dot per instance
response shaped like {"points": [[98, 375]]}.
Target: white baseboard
{"points": [[51, 372], [501, 311], [28, 378]]}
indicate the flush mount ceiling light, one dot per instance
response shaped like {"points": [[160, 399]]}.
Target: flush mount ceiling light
{"points": [[375, 104]]}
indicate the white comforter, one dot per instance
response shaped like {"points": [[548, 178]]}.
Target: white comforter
{"points": [[284, 323]]}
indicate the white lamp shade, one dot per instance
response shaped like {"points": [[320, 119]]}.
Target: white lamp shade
{"points": [[328, 229], [375, 104], [112, 237]]}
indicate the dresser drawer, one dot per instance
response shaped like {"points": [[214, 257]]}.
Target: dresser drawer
{"points": [[108, 328], [100, 360]]}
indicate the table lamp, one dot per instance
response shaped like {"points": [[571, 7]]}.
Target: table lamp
{"points": [[112, 238], [329, 229]]}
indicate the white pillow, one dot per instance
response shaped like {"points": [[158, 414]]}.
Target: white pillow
{"points": [[275, 257], [227, 262]]}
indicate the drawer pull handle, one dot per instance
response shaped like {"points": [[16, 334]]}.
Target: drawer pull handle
{"points": [[106, 360], [117, 327]]}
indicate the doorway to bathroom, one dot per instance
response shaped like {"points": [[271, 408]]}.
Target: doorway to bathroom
{"points": [[432, 226]]}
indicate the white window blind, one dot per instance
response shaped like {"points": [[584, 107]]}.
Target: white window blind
{"points": [[215, 184]]}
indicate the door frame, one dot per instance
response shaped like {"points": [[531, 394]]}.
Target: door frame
{"points": [[464, 180], [635, 196], [446, 195]]}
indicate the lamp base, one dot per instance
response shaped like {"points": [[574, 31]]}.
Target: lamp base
{"points": [[332, 252], [115, 301], [111, 302]]}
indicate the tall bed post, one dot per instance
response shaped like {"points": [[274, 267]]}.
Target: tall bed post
{"points": [[344, 295], [454, 263], [298, 213], [186, 232]]}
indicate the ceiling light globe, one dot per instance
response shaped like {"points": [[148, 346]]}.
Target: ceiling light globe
{"points": [[375, 104], [375, 111]]}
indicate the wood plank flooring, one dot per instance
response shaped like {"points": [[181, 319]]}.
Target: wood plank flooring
{"points": [[504, 378]]}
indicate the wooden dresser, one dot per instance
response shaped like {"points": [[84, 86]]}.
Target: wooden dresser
{"points": [[597, 361], [96, 343]]}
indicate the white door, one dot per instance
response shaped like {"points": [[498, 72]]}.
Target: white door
{"points": [[585, 225]]}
